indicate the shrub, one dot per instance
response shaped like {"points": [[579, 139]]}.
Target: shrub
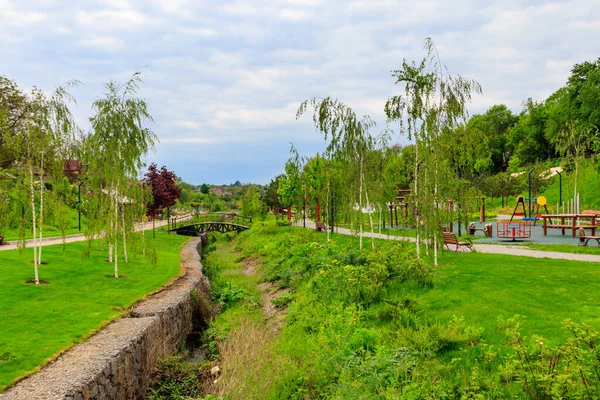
{"points": [[282, 300]]}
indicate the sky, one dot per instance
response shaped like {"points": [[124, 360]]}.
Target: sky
{"points": [[223, 79]]}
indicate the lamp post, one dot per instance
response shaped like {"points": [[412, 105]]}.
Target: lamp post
{"points": [[79, 205]]}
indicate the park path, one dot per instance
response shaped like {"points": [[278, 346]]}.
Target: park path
{"points": [[479, 247], [78, 237]]}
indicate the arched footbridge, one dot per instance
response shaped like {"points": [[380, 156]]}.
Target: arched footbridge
{"points": [[194, 225]]}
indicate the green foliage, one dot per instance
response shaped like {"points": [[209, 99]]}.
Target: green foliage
{"points": [[177, 379], [283, 300], [549, 371], [224, 294], [251, 202], [495, 125]]}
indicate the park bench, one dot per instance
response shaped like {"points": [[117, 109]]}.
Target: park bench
{"points": [[584, 239], [1, 240], [451, 239], [321, 227], [487, 229]]}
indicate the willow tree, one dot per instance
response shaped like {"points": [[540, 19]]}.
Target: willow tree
{"points": [[433, 101], [347, 138], [114, 152], [44, 126]]}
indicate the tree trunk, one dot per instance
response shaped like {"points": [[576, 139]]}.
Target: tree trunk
{"points": [[360, 222], [328, 194], [124, 235], [34, 224], [116, 229], [416, 180], [370, 215], [41, 221], [436, 209], [144, 235]]}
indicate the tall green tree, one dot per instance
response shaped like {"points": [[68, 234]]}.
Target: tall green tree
{"points": [[348, 139], [494, 125], [433, 101], [115, 149], [36, 139], [527, 139]]}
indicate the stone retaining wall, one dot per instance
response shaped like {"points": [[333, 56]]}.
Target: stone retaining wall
{"points": [[117, 362]]}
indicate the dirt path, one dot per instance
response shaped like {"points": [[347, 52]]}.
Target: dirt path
{"points": [[480, 248], [269, 291]]}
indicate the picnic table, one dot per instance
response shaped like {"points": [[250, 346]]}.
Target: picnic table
{"points": [[569, 221]]}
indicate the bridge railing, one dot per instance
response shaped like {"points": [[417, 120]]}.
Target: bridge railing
{"points": [[176, 222]]}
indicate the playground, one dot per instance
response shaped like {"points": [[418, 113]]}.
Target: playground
{"points": [[531, 221]]}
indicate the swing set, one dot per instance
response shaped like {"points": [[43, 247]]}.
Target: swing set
{"points": [[534, 202]]}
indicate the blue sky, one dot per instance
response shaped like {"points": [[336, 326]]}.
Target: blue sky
{"points": [[223, 79]]}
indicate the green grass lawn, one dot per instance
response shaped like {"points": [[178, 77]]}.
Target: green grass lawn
{"points": [[37, 322], [49, 229], [482, 287]]}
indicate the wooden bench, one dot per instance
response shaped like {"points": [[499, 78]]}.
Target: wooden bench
{"points": [[584, 239], [451, 239], [321, 227]]}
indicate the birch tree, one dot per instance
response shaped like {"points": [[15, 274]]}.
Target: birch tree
{"points": [[347, 138], [35, 138], [432, 102], [115, 149]]}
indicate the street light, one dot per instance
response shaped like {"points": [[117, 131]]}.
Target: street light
{"points": [[79, 205]]}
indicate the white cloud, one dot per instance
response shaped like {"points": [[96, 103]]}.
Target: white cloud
{"points": [[109, 20], [188, 124], [10, 15], [202, 32], [236, 70], [188, 140], [108, 43], [295, 15]]}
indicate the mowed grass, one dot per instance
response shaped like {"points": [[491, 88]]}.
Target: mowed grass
{"points": [[545, 292], [37, 322]]}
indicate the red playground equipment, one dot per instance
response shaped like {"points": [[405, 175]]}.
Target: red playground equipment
{"points": [[513, 230]]}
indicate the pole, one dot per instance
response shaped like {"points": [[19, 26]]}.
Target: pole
{"points": [[459, 203], [79, 206], [304, 212], [560, 186], [529, 187]]}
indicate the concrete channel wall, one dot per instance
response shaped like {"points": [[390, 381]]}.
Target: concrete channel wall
{"points": [[116, 363]]}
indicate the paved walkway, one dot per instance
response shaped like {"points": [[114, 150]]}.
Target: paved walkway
{"points": [[480, 248], [78, 237]]}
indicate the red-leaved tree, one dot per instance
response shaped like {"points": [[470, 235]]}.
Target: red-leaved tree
{"points": [[165, 191]]}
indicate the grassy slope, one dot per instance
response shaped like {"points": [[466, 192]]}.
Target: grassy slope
{"points": [[588, 186], [37, 322], [481, 288], [49, 229]]}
